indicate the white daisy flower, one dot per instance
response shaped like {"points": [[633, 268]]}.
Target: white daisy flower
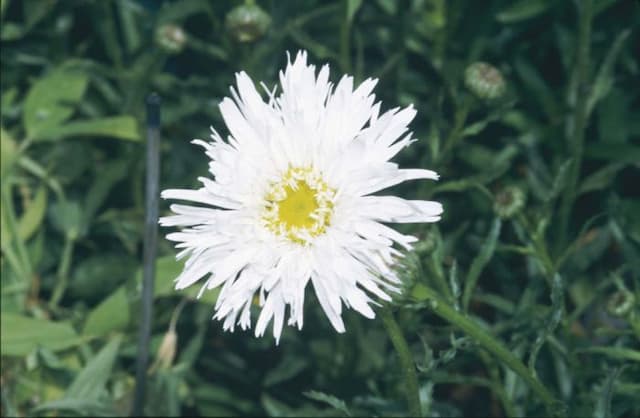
{"points": [[289, 201]]}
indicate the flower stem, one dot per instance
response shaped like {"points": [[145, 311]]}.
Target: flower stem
{"points": [[577, 122], [62, 279], [488, 342], [12, 227], [406, 361]]}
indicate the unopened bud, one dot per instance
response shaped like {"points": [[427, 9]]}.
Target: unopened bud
{"points": [[247, 22], [484, 80], [509, 201], [171, 38], [167, 351], [621, 303]]}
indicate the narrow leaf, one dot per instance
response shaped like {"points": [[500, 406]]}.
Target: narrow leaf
{"points": [[112, 314], [331, 400], [34, 214], [481, 260], [120, 127], [90, 383]]}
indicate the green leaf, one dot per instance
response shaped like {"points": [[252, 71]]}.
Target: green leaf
{"points": [[21, 334], [120, 127], [34, 214], [331, 400], [537, 87], [352, 8], [604, 79], [601, 179], [82, 407], [167, 270], [522, 10], [51, 101], [66, 217], [620, 153], [480, 261], [556, 315], [181, 9], [110, 315], [287, 369], [11, 31], [8, 153], [615, 353], [560, 181], [110, 174], [36, 10], [90, 382]]}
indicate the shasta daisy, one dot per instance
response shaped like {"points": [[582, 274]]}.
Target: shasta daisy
{"points": [[289, 201]]}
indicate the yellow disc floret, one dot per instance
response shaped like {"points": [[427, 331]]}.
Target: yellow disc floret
{"points": [[298, 206]]}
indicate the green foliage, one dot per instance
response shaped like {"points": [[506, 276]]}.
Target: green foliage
{"points": [[504, 315]]}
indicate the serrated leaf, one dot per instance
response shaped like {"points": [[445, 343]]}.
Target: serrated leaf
{"points": [[21, 334], [34, 214], [51, 101], [119, 127], [110, 315]]}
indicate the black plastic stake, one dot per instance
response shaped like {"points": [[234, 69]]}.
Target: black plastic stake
{"points": [[150, 249]]}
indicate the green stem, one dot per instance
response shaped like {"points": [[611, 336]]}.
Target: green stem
{"points": [[578, 100], [12, 226], [13, 261], [63, 273], [456, 131], [487, 341], [406, 361], [345, 44], [496, 386]]}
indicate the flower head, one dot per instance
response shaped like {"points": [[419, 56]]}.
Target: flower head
{"points": [[290, 201]]}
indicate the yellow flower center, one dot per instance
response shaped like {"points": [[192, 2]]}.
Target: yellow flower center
{"points": [[299, 206]]}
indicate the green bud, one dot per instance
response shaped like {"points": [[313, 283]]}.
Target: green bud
{"points": [[484, 80], [509, 201], [621, 303], [247, 22], [171, 38]]}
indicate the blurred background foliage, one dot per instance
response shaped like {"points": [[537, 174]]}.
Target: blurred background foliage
{"points": [[539, 244]]}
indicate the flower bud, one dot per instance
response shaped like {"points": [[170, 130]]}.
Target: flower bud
{"points": [[621, 303], [509, 201], [484, 80], [171, 38], [166, 351], [247, 22]]}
